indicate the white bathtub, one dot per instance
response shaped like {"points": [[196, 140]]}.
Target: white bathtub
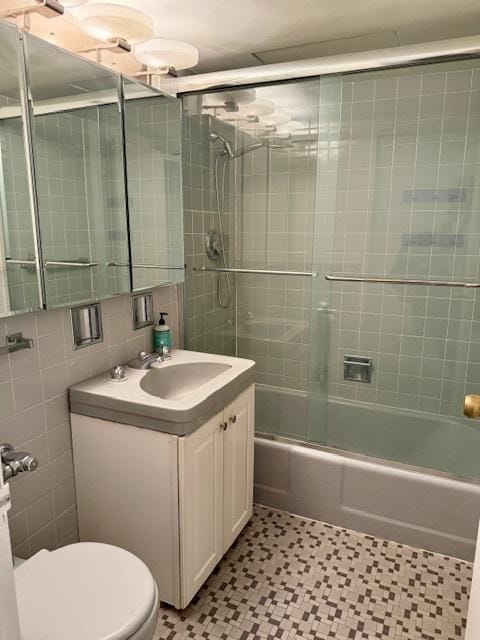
{"points": [[409, 504]]}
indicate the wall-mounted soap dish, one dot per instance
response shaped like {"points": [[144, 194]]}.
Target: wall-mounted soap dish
{"points": [[86, 325], [142, 310]]}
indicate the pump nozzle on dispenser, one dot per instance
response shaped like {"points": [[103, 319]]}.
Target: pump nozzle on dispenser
{"points": [[161, 334]]}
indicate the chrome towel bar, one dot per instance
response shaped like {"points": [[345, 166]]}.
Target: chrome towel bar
{"points": [[69, 263], [144, 266], [21, 262], [403, 281], [265, 272]]}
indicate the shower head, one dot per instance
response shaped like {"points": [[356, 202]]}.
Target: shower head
{"points": [[228, 151], [227, 147]]}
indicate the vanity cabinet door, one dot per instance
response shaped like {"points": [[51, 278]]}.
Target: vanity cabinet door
{"points": [[238, 465], [201, 505]]}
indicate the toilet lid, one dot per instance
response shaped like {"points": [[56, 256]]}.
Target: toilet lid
{"points": [[84, 591]]}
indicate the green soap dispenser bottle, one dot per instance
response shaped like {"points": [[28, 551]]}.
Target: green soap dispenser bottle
{"points": [[161, 335]]}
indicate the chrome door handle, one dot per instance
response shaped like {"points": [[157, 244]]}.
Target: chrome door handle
{"points": [[471, 405]]}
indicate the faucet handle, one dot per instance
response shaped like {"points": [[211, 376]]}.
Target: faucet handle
{"points": [[14, 462], [117, 373]]}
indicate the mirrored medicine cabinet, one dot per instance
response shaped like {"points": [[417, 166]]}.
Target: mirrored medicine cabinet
{"points": [[90, 180]]}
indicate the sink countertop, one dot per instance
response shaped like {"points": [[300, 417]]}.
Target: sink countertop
{"points": [[126, 402]]}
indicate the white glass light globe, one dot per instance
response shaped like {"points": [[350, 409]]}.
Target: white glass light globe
{"points": [[159, 52], [104, 21]]}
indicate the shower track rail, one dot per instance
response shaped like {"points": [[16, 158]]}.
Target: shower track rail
{"points": [[145, 266], [403, 281], [264, 272]]}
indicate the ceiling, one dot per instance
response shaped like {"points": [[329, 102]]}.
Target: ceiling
{"points": [[251, 32]]}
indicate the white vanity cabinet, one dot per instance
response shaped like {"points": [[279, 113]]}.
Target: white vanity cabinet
{"points": [[176, 502]]}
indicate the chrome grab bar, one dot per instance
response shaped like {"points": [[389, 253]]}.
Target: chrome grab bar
{"points": [[266, 272], [22, 262], [403, 281], [156, 266], [69, 263]]}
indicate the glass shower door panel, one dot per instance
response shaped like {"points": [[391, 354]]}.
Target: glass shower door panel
{"points": [[210, 297], [407, 207], [328, 150]]}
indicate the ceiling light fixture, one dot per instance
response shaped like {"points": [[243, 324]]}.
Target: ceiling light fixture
{"points": [[162, 55], [45, 8], [105, 21], [115, 45]]}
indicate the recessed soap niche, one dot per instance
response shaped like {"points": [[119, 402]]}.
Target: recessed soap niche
{"points": [[142, 310], [86, 325], [357, 368]]}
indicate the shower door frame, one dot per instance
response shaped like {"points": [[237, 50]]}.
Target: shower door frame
{"points": [[339, 66]]}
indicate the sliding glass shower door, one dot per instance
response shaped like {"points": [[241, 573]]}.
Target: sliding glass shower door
{"points": [[250, 192], [398, 199], [346, 212]]}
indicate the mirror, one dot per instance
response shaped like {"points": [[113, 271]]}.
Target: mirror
{"points": [[19, 282], [79, 175], [153, 143]]}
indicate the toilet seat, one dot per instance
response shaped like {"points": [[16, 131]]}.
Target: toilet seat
{"points": [[84, 591]]}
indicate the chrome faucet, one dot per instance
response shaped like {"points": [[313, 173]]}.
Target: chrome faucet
{"points": [[15, 462], [145, 360]]}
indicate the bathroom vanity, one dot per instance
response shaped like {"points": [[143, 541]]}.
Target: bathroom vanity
{"points": [[164, 464]]}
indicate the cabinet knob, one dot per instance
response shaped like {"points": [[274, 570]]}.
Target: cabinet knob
{"points": [[233, 419], [224, 426]]}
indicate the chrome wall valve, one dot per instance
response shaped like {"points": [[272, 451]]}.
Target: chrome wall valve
{"points": [[15, 462]]}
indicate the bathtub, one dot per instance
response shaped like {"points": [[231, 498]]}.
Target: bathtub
{"points": [[410, 504]]}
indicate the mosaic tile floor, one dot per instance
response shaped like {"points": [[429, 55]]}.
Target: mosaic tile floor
{"points": [[287, 577]]}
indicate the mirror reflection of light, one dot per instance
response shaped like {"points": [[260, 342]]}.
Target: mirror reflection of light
{"points": [[277, 119], [104, 21], [258, 108], [160, 52]]}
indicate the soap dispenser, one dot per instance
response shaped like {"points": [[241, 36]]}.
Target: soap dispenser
{"points": [[161, 335]]}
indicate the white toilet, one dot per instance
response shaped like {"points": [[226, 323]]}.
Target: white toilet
{"points": [[86, 591]]}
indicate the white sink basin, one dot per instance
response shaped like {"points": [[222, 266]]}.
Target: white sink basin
{"points": [[179, 380], [176, 396]]}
